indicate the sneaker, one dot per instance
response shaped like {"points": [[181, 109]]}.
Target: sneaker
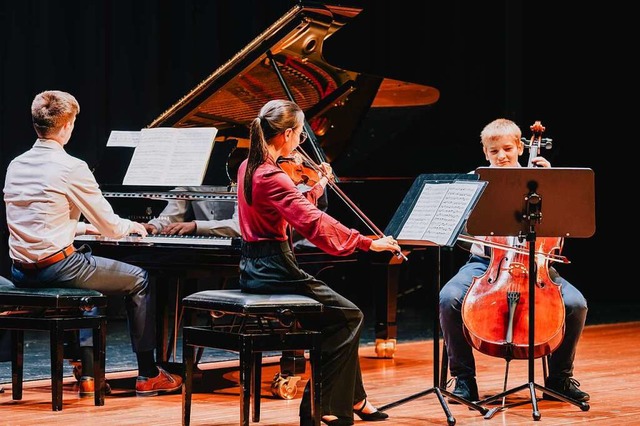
{"points": [[86, 387], [466, 388], [566, 386], [164, 382]]}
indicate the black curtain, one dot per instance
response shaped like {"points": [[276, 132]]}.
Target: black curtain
{"points": [[128, 61]]}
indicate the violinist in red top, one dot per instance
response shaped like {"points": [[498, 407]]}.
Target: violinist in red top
{"points": [[502, 146], [269, 204]]}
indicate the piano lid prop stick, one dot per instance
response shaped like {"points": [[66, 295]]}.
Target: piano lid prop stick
{"points": [[320, 154]]}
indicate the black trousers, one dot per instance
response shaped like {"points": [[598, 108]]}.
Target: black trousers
{"points": [[270, 267]]}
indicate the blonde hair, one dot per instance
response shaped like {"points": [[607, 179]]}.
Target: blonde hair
{"points": [[52, 109], [499, 128]]}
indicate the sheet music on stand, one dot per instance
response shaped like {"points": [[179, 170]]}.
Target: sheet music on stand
{"points": [[435, 209], [170, 156]]}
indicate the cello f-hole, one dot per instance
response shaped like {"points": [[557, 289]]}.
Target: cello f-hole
{"points": [[495, 279]]}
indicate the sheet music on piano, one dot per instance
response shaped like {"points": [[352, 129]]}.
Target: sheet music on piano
{"points": [[170, 156]]}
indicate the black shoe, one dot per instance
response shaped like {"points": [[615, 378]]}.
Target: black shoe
{"points": [[566, 386], [338, 422], [466, 388], [308, 421], [376, 416]]}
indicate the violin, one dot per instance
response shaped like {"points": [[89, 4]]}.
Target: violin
{"points": [[301, 168], [495, 310], [298, 170]]}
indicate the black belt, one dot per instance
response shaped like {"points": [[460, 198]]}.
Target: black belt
{"points": [[264, 248]]}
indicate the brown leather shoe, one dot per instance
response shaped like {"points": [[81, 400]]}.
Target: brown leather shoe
{"points": [[86, 387], [164, 382]]}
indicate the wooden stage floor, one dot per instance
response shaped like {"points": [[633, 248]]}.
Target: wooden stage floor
{"points": [[607, 366]]}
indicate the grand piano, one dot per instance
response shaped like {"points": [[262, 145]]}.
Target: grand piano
{"points": [[342, 108]]}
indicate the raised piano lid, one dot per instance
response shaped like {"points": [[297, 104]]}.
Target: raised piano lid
{"points": [[334, 99]]}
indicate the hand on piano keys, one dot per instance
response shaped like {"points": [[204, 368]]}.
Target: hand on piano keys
{"points": [[175, 228], [138, 229]]}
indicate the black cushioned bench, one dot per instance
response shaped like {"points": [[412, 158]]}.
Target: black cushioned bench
{"points": [[55, 310], [260, 323]]}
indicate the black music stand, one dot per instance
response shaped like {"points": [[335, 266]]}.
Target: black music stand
{"points": [[428, 216], [512, 206]]}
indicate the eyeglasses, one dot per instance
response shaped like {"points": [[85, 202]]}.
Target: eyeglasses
{"points": [[303, 136]]}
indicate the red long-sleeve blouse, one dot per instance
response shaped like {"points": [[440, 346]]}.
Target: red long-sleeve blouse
{"points": [[277, 202]]}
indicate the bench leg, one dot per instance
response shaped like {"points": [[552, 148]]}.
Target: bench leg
{"points": [[56, 343], [187, 385], [316, 382], [17, 363], [256, 380], [99, 355], [246, 371]]}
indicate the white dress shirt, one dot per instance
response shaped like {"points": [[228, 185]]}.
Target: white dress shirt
{"points": [[46, 191]]}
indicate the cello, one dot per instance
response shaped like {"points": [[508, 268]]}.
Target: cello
{"points": [[495, 310]]}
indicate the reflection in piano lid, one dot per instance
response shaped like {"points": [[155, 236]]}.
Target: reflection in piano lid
{"points": [[335, 100], [287, 60]]}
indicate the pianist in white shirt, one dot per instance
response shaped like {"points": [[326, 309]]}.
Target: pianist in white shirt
{"points": [[46, 191]]}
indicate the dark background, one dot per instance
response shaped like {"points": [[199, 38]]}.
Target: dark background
{"points": [[127, 62]]}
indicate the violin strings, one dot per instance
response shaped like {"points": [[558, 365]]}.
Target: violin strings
{"points": [[372, 227]]}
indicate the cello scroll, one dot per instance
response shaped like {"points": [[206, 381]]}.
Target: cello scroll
{"points": [[536, 142]]}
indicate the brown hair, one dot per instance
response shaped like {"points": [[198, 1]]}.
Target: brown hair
{"points": [[275, 117], [52, 109]]}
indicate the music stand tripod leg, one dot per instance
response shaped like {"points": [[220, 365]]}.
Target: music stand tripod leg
{"points": [[440, 393]]}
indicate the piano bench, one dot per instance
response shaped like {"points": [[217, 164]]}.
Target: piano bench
{"points": [[55, 310], [259, 323]]}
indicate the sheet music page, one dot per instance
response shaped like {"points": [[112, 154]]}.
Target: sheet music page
{"points": [[438, 212], [171, 156], [124, 138]]}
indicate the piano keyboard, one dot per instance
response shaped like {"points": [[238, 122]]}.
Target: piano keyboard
{"points": [[220, 194], [149, 240]]}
